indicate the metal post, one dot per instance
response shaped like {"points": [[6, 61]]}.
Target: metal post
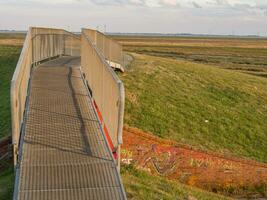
{"points": [[71, 47], [119, 158]]}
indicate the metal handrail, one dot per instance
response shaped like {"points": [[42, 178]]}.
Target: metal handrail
{"points": [[73, 35], [110, 49], [41, 44], [121, 93], [31, 55], [18, 92]]}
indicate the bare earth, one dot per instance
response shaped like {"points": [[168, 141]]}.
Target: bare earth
{"points": [[205, 170]]}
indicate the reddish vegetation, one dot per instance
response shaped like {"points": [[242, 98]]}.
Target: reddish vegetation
{"points": [[209, 171]]}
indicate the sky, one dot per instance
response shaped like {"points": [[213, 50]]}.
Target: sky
{"points": [[238, 17]]}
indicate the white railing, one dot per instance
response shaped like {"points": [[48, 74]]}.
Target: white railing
{"points": [[110, 49], [40, 44], [107, 91], [49, 43]]}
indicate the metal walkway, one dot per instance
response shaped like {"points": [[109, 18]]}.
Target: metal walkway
{"points": [[64, 153]]}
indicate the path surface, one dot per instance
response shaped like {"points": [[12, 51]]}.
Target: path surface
{"points": [[64, 152]]}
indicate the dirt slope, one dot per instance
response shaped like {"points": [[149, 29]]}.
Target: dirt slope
{"points": [[206, 170]]}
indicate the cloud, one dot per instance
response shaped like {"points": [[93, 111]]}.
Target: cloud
{"points": [[221, 2], [197, 16], [196, 5], [175, 4], [144, 3]]}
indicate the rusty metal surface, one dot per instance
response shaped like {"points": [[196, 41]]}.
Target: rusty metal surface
{"points": [[65, 154]]}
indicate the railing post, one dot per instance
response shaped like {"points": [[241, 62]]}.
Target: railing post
{"points": [[71, 47], [119, 158]]}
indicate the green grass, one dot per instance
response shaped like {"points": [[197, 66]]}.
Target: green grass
{"points": [[248, 60], [141, 185], [12, 35], [199, 105], [173, 99], [140, 188], [6, 184], [8, 59]]}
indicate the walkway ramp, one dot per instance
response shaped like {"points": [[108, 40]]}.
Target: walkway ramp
{"points": [[65, 154], [65, 151]]}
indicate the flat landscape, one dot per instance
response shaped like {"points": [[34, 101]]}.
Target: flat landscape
{"points": [[240, 54], [202, 104], [198, 105], [207, 94]]}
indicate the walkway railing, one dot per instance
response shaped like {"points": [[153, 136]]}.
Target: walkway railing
{"points": [[40, 45], [96, 50], [110, 49], [106, 89], [50, 43]]}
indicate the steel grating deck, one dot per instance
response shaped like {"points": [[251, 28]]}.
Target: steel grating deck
{"points": [[64, 153]]}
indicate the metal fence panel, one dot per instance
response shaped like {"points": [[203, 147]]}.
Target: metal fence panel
{"points": [[40, 44], [111, 50], [107, 89], [19, 87]]}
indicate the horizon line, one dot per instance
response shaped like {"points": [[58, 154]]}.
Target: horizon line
{"points": [[156, 33]]}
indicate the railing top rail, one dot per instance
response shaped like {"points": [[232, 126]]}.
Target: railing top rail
{"points": [[40, 34], [56, 29]]}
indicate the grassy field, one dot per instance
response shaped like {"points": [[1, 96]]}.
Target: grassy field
{"points": [[8, 59], [199, 105], [9, 36], [178, 98], [12, 39], [246, 55], [137, 183], [240, 42], [6, 183], [141, 185]]}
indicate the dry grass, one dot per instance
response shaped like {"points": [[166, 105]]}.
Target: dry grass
{"points": [[193, 42], [13, 42], [245, 55], [12, 39]]}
